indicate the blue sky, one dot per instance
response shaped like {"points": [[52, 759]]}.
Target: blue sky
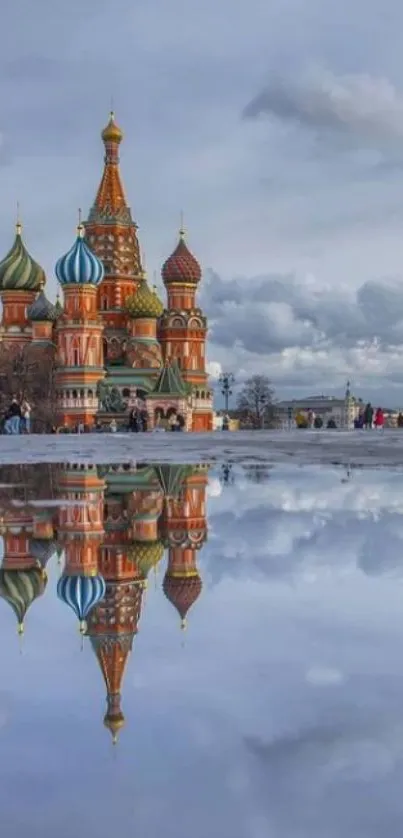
{"points": [[276, 127]]}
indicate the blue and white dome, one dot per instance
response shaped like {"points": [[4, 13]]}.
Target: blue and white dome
{"points": [[79, 266], [81, 594]]}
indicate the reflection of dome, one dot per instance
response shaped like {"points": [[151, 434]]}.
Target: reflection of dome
{"points": [[20, 588], [182, 592], [81, 594], [146, 554], [144, 303], [181, 266], [112, 133], [114, 719], [42, 549], [79, 266], [18, 270]]}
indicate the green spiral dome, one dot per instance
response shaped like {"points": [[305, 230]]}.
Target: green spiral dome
{"points": [[18, 270], [20, 588], [144, 303]]}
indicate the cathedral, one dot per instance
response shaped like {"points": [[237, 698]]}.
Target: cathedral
{"points": [[113, 344]]}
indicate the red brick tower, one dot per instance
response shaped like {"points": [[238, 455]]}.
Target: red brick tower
{"points": [[112, 235], [183, 330], [80, 524], [184, 530], [79, 330]]}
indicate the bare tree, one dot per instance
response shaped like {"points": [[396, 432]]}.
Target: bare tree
{"points": [[29, 373], [255, 402]]}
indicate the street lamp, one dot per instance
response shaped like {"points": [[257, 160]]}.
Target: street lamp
{"points": [[226, 380]]}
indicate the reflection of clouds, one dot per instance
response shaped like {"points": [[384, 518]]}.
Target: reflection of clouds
{"points": [[306, 521]]}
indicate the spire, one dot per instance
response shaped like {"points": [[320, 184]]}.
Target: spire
{"points": [[110, 202], [182, 228], [80, 225], [110, 230], [18, 225]]}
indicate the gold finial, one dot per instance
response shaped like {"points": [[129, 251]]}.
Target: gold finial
{"points": [[182, 227], [18, 225], [80, 225]]}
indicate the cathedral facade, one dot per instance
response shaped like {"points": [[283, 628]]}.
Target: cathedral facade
{"points": [[113, 343]]}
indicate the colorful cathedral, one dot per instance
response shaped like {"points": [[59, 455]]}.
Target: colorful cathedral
{"points": [[112, 343]]}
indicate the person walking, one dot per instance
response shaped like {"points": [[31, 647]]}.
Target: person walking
{"points": [[12, 424], [379, 418], [368, 416], [26, 416]]}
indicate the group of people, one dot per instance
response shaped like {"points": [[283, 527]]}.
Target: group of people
{"points": [[17, 418], [368, 418]]}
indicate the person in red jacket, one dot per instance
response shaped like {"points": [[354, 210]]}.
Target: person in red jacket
{"points": [[379, 418]]}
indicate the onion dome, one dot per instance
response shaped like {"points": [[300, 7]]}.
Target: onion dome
{"points": [[81, 594], [20, 588], [79, 266], [18, 270], [146, 554], [144, 303], [42, 549], [42, 309], [112, 133], [182, 592], [181, 266]]}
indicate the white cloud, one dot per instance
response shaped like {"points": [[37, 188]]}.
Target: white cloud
{"points": [[320, 676]]}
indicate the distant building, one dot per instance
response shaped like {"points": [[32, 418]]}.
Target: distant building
{"points": [[342, 411]]}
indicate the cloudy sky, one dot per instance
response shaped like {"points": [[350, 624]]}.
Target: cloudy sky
{"points": [[278, 129]]}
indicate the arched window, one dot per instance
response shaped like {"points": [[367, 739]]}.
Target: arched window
{"points": [[75, 394], [90, 394], [126, 393]]}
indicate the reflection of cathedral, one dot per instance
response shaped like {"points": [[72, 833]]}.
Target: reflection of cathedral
{"points": [[113, 523], [112, 340]]}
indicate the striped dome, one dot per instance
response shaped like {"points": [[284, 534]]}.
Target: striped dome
{"points": [[18, 270], [79, 266], [182, 592], [181, 266], [144, 303], [81, 594], [20, 588]]}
